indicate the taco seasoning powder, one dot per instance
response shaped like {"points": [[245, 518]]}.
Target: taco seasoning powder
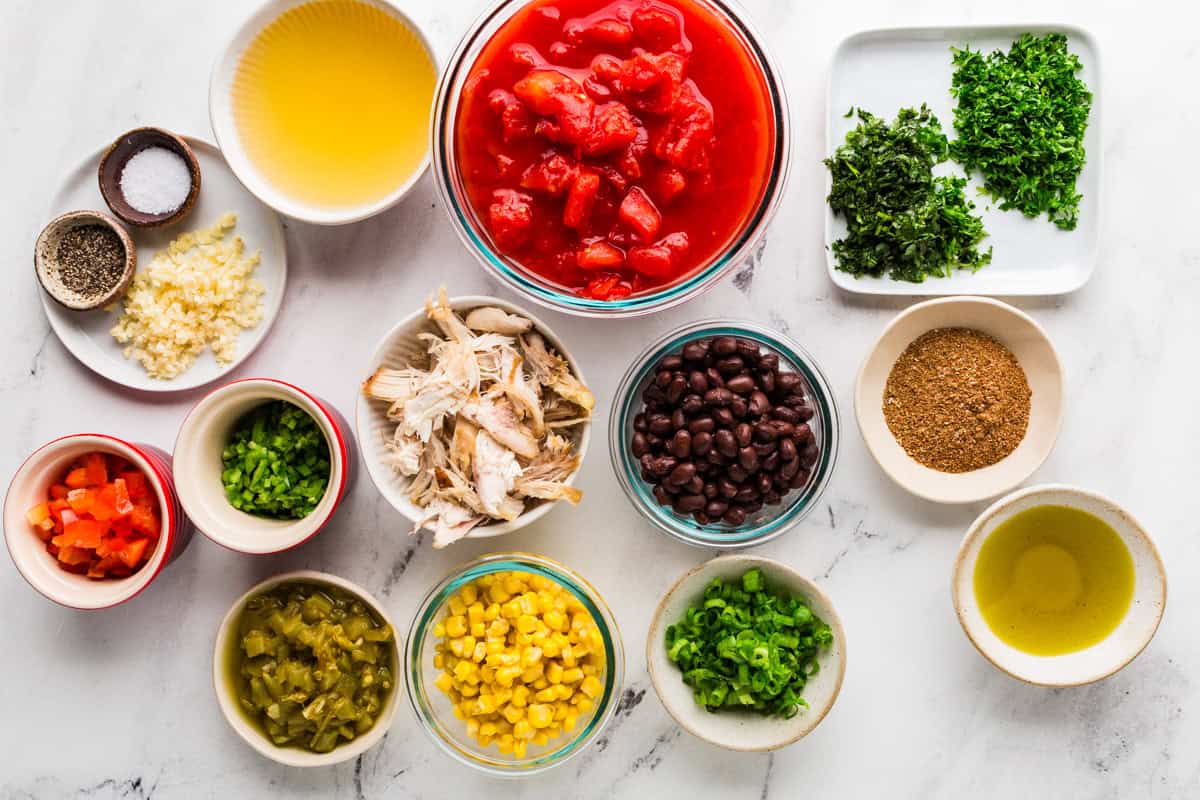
{"points": [[957, 400]]}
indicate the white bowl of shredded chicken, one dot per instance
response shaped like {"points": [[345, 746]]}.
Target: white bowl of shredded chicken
{"points": [[474, 419]]}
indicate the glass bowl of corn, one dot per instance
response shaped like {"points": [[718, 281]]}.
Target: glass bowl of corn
{"points": [[515, 664]]}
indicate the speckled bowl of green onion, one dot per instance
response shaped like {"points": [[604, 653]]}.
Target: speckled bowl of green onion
{"points": [[262, 465]]}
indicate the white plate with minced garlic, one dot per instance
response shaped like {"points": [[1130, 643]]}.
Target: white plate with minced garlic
{"points": [[88, 334]]}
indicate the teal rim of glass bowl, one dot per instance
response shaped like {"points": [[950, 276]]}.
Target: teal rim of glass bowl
{"points": [[686, 529], [453, 195], [426, 617]]}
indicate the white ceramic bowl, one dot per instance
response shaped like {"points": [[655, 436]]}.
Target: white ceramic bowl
{"points": [[375, 430], [294, 756], [733, 730], [221, 117], [204, 434], [1093, 663], [28, 488], [1012, 328]]}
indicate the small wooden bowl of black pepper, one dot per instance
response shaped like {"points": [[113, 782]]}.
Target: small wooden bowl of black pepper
{"points": [[724, 433], [84, 259]]}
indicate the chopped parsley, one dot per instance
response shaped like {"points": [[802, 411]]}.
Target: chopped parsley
{"points": [[1020, 120], [901, 220]]}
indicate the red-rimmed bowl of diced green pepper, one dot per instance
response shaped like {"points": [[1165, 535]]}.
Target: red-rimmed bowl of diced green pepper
{"points": [[262, 465]]}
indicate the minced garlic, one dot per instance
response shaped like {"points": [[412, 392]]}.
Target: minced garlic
{"points": [[197, 293]]}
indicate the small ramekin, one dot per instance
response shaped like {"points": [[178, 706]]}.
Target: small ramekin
{"points": [[28, 488], [473, 234], [375, 430], [224, 126], [770, 521], [433, 708], [251, 734], [204, 434], [1106, 657]]}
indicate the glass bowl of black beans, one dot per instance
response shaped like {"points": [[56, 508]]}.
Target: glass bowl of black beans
{"points": [[724, 433]]}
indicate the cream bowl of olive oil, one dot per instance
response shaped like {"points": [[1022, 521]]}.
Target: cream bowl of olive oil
{"points": [[322, 107], [1058, 586]]}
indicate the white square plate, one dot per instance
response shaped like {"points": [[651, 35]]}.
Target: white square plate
{"points": [[882, 71]]}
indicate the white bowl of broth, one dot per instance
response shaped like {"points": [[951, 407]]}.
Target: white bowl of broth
{"points": [[321, 107], [1058, 586]]}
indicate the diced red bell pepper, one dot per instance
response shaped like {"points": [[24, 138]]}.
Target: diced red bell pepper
{"points": [[117, 464], [580, 199], [97, 469], [121, 502], [111, 546], [552, 175], [599, 255], [638, 212], [85, 533], [38, 514], [133, 552], [136, 485], [145, 520], [511, 218], [81, 500], [73, 556], [58, 492]]}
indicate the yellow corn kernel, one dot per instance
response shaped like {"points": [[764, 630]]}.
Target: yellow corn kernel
{"points": [[497, 594], [522, 729], [574, 675], [457, 606], [472, 727], [487, 729], [498, 628], [584, 705], [506, 676], [553, 732], [484, 704], [469, 691], [456, 647], [444, 682], [532, 675], [569, 721], [547, 695], [540, 715], [479, 653], [491, 612], [458, 712], [541, 739], [562, 691], [530, 656], [463, 669], [513, 714], [456, 626], [469, 593], [439, 630], [513, 583], [495, 646], [519, 748], [526, 623], [505, 743], [485, 581], [555, 620], [479, 629], [487, 674], [439, 661], [590, 686], [554, 672], [539, 684], [520, 696]]}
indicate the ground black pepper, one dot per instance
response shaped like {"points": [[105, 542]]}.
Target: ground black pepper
{"points": [[91, 260]]}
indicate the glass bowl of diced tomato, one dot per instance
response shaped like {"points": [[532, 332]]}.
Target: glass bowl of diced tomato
{"points": [[90, 520], [611, 157]]}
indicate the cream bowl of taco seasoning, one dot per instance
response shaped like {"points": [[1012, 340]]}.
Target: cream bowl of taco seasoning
{"points": [[84, 259], [961, 399]]}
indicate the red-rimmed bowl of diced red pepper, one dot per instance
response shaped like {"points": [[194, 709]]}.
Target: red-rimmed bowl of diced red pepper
{"points": [[611, 157], [90, 520]]}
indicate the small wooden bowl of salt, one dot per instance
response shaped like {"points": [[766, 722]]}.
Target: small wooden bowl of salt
{"points": [[150, 177]]}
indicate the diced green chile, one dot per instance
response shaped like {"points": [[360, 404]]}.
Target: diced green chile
{"points": [[743, 646], [311, 665], [276, 463]]}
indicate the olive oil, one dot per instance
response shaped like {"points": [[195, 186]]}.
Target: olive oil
{"points": [[1053, 580], [331, 102]]}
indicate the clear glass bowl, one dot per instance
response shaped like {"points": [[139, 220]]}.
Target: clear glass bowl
{"points": [[474, 235], [768, 522], [433, 708]]}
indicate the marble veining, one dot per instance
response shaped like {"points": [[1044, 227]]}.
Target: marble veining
{"points": [[119, 704]]}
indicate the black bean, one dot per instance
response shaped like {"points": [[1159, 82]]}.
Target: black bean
{"points": [[772, 498], [692, 404], [725, 443], [746, 494], [694, 351], [687, 503], [675, 389], [759, 404], [659, 424], [724, 345], [740, 384], [654, 441], [787, 449], [765, 432], [730, 365], [701, 518], [765, 449], [716, 458], [653, 394], [738, 407], [723, 417], [748, 459], [753, 507], [701, 424], [681, 444], [717, 398], [697, 381], [788, 469], [766, 379], [785, 414], [803, 435], [695, 485], [638, 445], [662, 379], [671, 363], [662, 465], [764, 483], [783, 429], [803, 408], [670, 488], [769, 361], [639, 423], [799, 479], [770, 463], [682, 473], [710, 490], [714, 378], [734, 516], [702, 443], [809, 456], [789, 382], [781, 483], [660, 494], [648, 476], [678, 419], [743, 434], [736, 474], [716, 508], [726, 487], [748, 349]]}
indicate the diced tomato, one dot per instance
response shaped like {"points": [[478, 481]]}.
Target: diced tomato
{"points": [[668, 185], [596, 90], [554, 94], [516, 123], [637, 211], [599, 255], [608, 286], [657, 26], [74, 556], [77, 478], [608, 32], [524, 54], [511, 218], [660, 258], [613, 127], [652, 81], [552, 175], [688, 138], [133, 552], [580, 200], [606, 67], [97, 469]]}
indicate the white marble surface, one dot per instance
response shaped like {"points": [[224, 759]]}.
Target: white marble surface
{"points": [[119, 704]]}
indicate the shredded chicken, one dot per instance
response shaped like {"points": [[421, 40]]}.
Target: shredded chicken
{"points": [[484, 411]]}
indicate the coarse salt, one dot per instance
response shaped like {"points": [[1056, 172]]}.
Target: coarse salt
{"points": [[155, 180]]}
